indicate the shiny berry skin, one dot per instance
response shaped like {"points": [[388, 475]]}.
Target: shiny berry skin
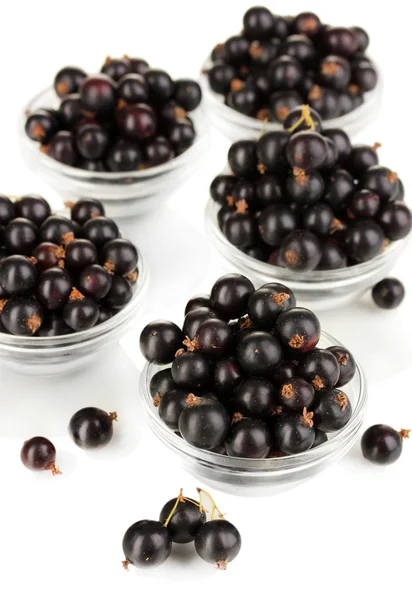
{"points": [[18, 275], [7, 210], [222, 187], [382, 445], [159, 341], [269, 189], [98, 94], [341, 141], [335, 72], [204, 423], [364, 240], [362, 38], [100, 230], [332, 256], [171, 404], [293, 434], [22, 316], [124, 155], [299, 47], [86, 209], [320, 368], [62, 148], [41, 126], [240, 229], [194, 318], [158, 151], [380, 180], [285, 370], [364, 76], [270, 150], [91, 427], [227, 374], [138, 65], [120, 293], [220, 76], [39, 454], [213, 337], [218, 542], [295, 394], [236, 50], [92, 141], [340, 187], [68, 80], [54, 288], [191, 370], [268, 302], [199, 301], [346, 362], [360, 159], [259, 353], [187, 94], [244, 100], [364, 204], [115, 68], [20, 236], [81, 313], [285, 73], [275, 223], [332, 410], [70, 110], [160, 383], [249, 438], [34, 208], [306, 150], [254, 397], [230, 295], [320, 438], [340, 41], [53, 325], [242, 158], [80, 254], [396, 221], [95, 281], [305, 188], [48, 255], [181, 134], [318, 219], [388, 293], [258, 23], [147, 544], [161, 86], [185, 522], [298, 329], [301, 251], [133, 89], [119, 256], [136, 122]]}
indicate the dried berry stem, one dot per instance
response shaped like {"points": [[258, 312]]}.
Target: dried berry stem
{"points": [[179, 499], [215, 509]]}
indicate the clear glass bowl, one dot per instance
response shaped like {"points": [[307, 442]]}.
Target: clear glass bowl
{"points": [[123, 194], [259, 476], [236, 126], [50, 356], [321, 290]]}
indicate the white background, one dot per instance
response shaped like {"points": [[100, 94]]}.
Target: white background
{"points": [[345, 533]]}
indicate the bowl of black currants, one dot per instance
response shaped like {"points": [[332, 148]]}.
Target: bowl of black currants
{"points": [[277, 63], [128, 135], [70, 286], [306, 207], [249, 393]]}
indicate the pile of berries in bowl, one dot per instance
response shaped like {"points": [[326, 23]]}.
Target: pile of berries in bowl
{"points": [[68, 286], [127, 135], [250, 399], [277, 63], [306, 207]]}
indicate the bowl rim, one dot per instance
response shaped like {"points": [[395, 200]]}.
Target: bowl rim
{"points": [[295, 462], [198, 116], [252, 123], [311, 277], [16, 343]]}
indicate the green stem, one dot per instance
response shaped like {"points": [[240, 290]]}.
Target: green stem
{"points": [[176, 504]]}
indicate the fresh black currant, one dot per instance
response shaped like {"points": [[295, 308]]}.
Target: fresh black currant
{"points": [[160, 340], [98, 94], [226, 376], [80, 313], [160, 383], [80, 254], [137, 122], [62, 147], [187, 94], [334, 72], [7, 210], [361, 158], [242, 158], [340, 40], [204, 423], [301, 48], [199, 301], [243, 98], [220, 77], [320, 368], [269, 189], [301, 250], [181, 134], [285, 73], [158, 151], [194, 318], [100, 230], [306, 22], [20, 236], [396, 221], [364, 76], [146, 544], [213, 337], [282, 102], [382, 444], [236, 50], [53, 325], [39, 454], [218, 542], [34, 208], [341, 141], [380, 180], [267, 302], [275, 223], [92, 141], [270, 151], [295, 394], [346, 362], [191, 370], [54, 230], [95, 281], [171, 404], [120, 293], [54, 288], [248, 438], [115, 68], [364, 205], [138, 65], [305, 188], [388, 293], [222, 187], [258, 23], [362, 38], [332, 410], [85, 209], [41, 126], [92, 427], [296, 121], [298, 329], [124, 155], [119, 256], [340, 187], [68, 80], [18, 275], [332, 256], [259, 352], [161, 86], [306, 150], [320, 438], [319, 219], [22, 316], [293, 434], [364, 240], [285, 370], [133, 89], [186, 520], [70, 110], [240, 227], [230, 295], [255, 397]]}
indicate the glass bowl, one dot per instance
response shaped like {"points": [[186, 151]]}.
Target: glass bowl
{"points": [[51, 356], [321, 290], [259, 476], [123, 194], [236, 126]]}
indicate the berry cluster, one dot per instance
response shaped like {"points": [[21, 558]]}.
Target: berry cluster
{"points": [[59, 275], [277, 63], [89, 428], [128, 117], [304, 198], [247, 379], [182, 520]]}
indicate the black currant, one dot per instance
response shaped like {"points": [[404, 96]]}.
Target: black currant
{"points": [[267, 302], [305, 188], [306, 150], [332, 410], [346, 362], [80, 313], [388, 293], [382, 444], [298, 329], [146, 544], [18, 275], [115, 68], [218, 542], [259, 352], [199, 301], [171, 404], [270, 150], [230, 295], [194, 318], [41, 126], [20, 236], [255, 397], [275, 223], [242, 158], [85, 209], [22, 316], [320, 368], [226, 376], [191, 370], [54, 230], [95, 281], [119, 256], [301, 250], [295, 394], [54, 288], [92, 427], [293, 434], [160, 340], [98, 94], [248, 438], [68, 80], [396, 221], [186, 520], [364, 240], [124, 155], [39, 454], [204, 423]]}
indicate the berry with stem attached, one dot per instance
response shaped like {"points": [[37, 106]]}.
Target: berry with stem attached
{"points": [[382, 445], [92, 427], [39, 454]]}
